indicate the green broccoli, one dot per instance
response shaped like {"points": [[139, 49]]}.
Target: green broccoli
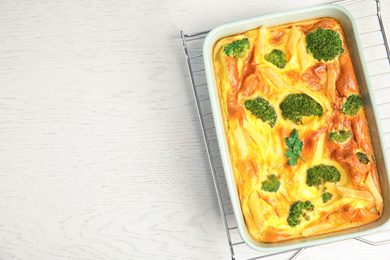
{"points": [[340, 136], [271, 184], [352, 105], [295, 106], [262, 109], [327, 196], [237, 49], [322, 173], [277, 58], [324, 44], [298, 210], [362, 157]]}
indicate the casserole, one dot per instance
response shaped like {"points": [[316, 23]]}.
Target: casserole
{"points": [[341, 15]]}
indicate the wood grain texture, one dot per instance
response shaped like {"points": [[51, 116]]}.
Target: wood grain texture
{"points": [[101, 151]]}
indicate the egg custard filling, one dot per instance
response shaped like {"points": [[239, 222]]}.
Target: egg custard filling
{"points": [[297, 131]]}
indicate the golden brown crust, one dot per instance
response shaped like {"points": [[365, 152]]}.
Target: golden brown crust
{"points": [[257, 149]]}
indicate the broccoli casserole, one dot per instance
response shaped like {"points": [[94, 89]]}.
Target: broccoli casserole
{"points": [[297, 131]]}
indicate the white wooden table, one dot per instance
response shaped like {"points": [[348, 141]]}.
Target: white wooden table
{"points": [[101, 153]]}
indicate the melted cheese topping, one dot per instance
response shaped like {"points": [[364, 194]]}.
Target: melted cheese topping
{"points": [[257, 149]]}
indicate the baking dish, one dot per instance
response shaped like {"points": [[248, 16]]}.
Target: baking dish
{"points": [[350, 31]]}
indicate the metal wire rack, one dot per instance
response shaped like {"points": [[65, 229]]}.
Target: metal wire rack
{"points": [[367, 14]]}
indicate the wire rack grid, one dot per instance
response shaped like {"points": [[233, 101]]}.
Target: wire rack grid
{"points": [[377, 53]]}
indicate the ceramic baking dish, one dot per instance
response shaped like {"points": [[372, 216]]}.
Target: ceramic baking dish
{"points": [[351, 33]]}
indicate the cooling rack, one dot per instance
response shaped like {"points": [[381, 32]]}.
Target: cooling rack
{"points": [[367, 14]]}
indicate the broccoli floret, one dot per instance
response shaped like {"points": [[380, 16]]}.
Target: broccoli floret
{"points": [[362, 157], [340, 136], [277, 58], [313, 178], [271, 184], [324, 44], [297, 211], [295, 106], [352, 105], [327, 196], [237, 49], [262, 109], [322, 173]]}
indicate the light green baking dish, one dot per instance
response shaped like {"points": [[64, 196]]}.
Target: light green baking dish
{"points": [[350, 30]]}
